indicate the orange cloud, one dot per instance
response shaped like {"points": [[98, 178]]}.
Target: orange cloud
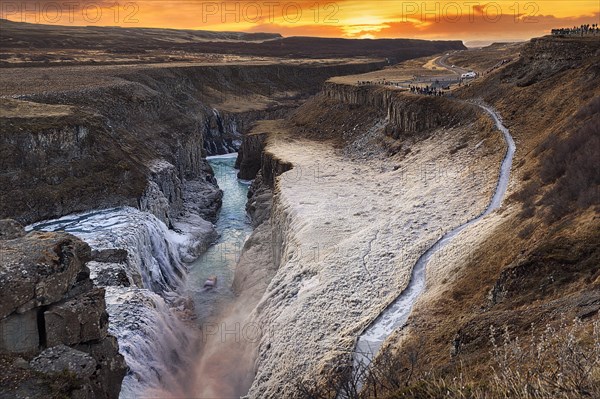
{"points": [[444, 19]]}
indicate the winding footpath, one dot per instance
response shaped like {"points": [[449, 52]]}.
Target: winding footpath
{"points": [[397, 313]]}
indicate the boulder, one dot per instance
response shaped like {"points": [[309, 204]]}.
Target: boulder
{"points": [[19, 333], [38, 270], [80, 319], [60, 358]]}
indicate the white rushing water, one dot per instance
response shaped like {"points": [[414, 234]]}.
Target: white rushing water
{"points": [[397, 313], [154, 341], [153, 261]]}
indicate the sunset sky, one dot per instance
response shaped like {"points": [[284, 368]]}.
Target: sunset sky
{"points": [[465, 20]]}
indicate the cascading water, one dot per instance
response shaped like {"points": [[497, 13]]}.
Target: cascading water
{"points": [[155, 342], [397, 313], [146, 312], [153, 251]]}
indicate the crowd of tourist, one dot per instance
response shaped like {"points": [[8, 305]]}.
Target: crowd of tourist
{"points": [[383, 82], [580, 30], [426, 90]]}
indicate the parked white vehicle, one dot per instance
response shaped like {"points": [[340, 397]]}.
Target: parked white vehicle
{"points": [[468, 75]]}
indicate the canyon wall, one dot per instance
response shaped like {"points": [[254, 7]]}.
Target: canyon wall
{"points": [[109, 144], [138, 143], [61, 160], [405, 114]]}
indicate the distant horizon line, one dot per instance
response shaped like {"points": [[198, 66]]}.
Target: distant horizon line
{"points": [[279, 35]]}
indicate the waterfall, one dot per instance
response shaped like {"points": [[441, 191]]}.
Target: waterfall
{"points": [[154, 341], [156, 344], [153, 251]]}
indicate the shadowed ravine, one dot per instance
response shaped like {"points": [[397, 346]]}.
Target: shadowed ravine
{"points": [[397, 313]]}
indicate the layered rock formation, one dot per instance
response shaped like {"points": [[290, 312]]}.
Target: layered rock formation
{"points": [[52, 314], [405, 114]]}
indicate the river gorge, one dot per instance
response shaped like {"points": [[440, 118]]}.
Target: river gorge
{"points": [[270, 230], [312, 205]]}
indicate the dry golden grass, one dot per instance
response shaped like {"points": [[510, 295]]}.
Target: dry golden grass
{"points": [[483, 59], [10, 108], [553, 363], [525, 273]]}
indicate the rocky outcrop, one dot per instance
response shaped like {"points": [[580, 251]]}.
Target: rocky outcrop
{"points": [[62, 358], [271, 167], [51, 312], [406, 114], [79, 319], [249, 155], [177, 202], [162, 197], [39, 269], [546, 56]]}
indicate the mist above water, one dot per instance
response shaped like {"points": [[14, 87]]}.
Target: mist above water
{"points": [[222, 368]]}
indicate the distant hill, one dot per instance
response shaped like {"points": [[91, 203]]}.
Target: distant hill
{"points": [[19, 35], [22, 34]]}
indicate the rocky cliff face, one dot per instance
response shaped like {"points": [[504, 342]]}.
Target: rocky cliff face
{"points": [[406, 114], [249, 155], [225, 130], [53, 321], [253, 161], [61, 160]]}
